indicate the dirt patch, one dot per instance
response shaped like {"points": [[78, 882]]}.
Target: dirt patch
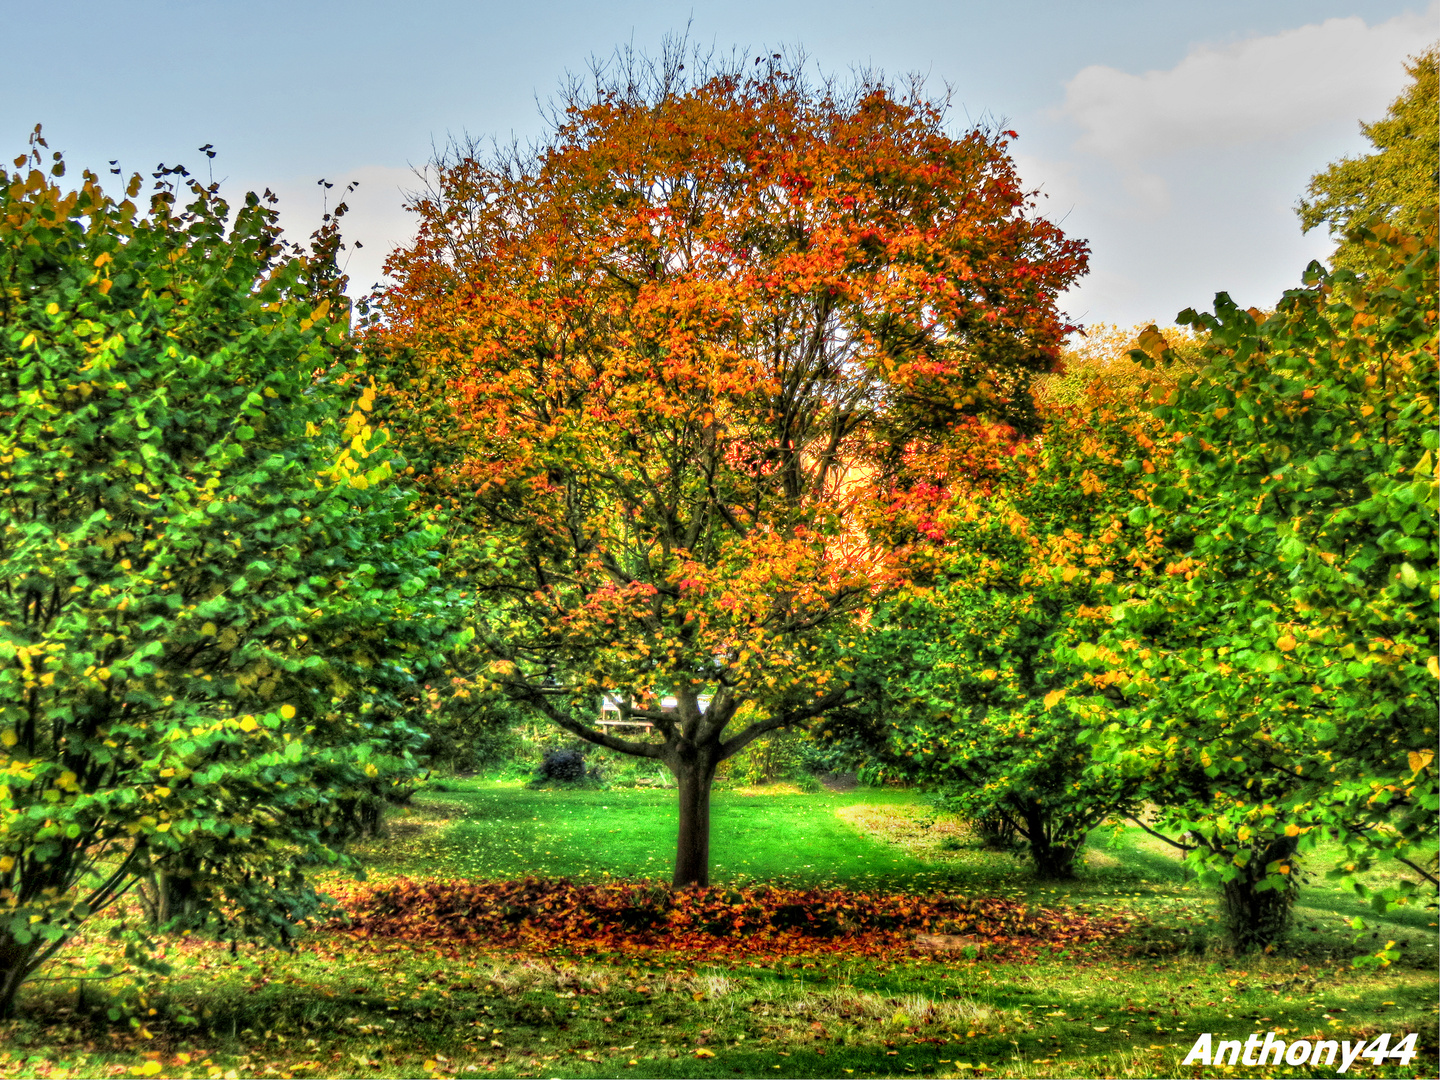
{"points": [[922, 831], [844, 781], [774, 787]]}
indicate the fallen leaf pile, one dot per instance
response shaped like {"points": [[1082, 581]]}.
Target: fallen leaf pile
{"points": [[639, 916]]}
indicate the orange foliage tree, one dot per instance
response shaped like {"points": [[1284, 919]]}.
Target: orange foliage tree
{"points": [[662, 366]]}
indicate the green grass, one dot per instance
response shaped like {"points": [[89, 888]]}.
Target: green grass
{"points": [[1132, 1007], [499, 831]]}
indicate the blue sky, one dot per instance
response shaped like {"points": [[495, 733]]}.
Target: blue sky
{"points": [[1174, 136]]}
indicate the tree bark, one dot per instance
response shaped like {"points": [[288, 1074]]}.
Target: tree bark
{"points": [[1256, 918], [1054, 857], [694, 771], [14, 963]]}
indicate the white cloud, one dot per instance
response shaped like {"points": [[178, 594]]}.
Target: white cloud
{"points": [[1059, 189], [1259, 89]]}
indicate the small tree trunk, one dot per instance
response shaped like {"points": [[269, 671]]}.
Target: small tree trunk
{"points": [[1054, 859], [997, 831], [693, 774], [177, 900], [13, 960], [1256, 919], [1053, 862]]}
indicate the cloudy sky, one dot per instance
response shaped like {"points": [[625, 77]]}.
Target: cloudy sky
{"points": [[1175, 136]]}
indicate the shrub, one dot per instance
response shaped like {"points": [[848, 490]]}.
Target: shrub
{"points": [[563, 766], [213, 606]]}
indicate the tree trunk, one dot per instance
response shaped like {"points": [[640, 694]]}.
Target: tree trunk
{"points": [[1054, 858], [1053, 862], [1257, 919], [14, 958], [167, 893], [694, 772]]}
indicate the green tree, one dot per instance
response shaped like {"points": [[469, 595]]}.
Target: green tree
{"points": [[213, 606], [1284, 686], [968, 681], [1398, 183]]}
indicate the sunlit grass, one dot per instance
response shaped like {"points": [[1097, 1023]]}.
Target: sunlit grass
{"points": [[506, 831]]}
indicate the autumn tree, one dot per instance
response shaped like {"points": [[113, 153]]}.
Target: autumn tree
{"points": [[213, 602], [678, 348], [1397, 183]]}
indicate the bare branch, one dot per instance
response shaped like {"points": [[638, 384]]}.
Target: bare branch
{"points": [[789, 718], [598, 738], [1159, 836]]}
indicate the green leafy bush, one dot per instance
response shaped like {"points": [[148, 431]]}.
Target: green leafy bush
{"points": [[213, 604], [1279, 683]]}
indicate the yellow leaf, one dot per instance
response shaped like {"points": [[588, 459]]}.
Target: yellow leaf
{"points": [[248, 724], [8, 737], [6, 864], [1285, 643], [27, 341], [1433, 666], [1292, 830], [703, 1053], [287, 711], [429, 1065], [209, 629], [1420, 758], [1053, 698]]}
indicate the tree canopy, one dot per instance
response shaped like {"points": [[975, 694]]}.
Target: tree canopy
{"points": [[685, 344], [1397, 183], [965, 680]]}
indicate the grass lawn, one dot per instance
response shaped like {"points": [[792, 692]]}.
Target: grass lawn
{"points": [[496, 831], [1130, 1007]]}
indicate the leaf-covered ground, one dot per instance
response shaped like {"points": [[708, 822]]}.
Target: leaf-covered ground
{"points": [[623, 917]]}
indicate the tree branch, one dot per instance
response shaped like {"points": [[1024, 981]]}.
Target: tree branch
{"points": [[1423, 873], [598, 738], [1159, 836], [731, 747]]}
